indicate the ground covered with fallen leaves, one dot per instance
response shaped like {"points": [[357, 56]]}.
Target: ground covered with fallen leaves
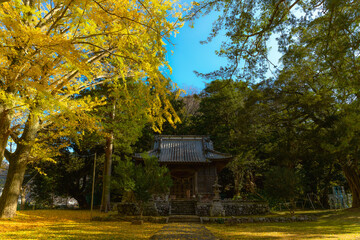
{"points": [[76, 224], [70, 224], [344, 224]]}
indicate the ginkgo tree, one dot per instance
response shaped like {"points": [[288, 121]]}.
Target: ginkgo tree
{"points": [[52, 50]]}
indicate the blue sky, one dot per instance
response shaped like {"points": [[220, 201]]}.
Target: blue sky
{"points": [[190, 55]]}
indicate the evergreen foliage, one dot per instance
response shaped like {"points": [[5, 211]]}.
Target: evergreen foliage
{"points": [[141, 181]]}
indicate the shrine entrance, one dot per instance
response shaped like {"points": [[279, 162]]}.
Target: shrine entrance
{"points": [[183, 185], [182, 188]]}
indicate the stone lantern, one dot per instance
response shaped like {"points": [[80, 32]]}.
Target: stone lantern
{"points": [[216, 209]]}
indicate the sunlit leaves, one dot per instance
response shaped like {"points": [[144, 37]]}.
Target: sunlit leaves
{"points": [[52, 50], [65, 224]]}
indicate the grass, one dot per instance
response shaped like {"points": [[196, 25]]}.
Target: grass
{"points": [[330, 225], [75, 224]]}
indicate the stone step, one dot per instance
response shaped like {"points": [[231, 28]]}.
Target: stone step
{"points": [[182, 211], [183, 204], [184, 218], [183, 207]]}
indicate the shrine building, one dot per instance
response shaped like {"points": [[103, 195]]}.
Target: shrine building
{"points": [[193, 164]]}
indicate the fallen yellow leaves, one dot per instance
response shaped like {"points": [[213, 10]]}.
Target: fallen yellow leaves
{"points": [[75, 224], [70, 224], [330, 225]]}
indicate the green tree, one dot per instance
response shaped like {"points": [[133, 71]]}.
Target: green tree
{"points": [[122, 118], [271, 124], [230, 112], [282, 184], [71, 175], [297, 114], [142, 180], [318, 81], [324, 60]]}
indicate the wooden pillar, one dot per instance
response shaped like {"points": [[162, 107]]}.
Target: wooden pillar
{"points": [[196, 183]]}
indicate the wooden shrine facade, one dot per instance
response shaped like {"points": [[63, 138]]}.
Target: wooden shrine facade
{"points": [[192, 161]]}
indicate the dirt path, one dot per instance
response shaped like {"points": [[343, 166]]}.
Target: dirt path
{"points": [[184, 231]]}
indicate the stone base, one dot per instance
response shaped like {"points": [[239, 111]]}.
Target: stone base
{"points": [[127, 209], [216, 209], [150, 209], [240, 208], [237, 220], [232, 208]]}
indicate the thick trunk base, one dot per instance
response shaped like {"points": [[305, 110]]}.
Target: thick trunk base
{"points": [[12, 188], [352, 175]]}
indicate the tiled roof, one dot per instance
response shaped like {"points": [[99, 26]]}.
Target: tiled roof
{"points": [[184, 149]]}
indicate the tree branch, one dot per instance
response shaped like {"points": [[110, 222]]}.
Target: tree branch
{"points": [[15, 137], [64, 80], [42, 22], [272, 18], [60, 17], [126, 18], [8, 155], [110, 51], [104, 34]]}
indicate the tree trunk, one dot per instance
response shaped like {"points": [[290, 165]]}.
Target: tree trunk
{"points": [[11, 192], [352, 175], [81, 199], [105, 199], [238, 181], [17, 167], [4, 131]]}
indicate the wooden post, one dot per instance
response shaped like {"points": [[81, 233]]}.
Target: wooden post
{"points": [[23, 197], [196, 183], [92, 191]]}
